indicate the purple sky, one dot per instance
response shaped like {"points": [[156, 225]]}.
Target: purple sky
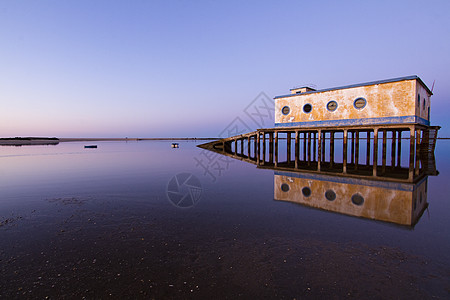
{"points": [[175, 68]]}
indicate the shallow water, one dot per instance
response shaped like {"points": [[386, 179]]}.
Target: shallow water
{"points": [[110, 222]]}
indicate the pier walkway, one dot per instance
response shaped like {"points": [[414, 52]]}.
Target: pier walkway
{"points": [[314, 149]]}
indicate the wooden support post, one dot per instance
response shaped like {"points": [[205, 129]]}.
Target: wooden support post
{"points": [[248, 146], [356, 150], [393, 149], [331, 148], [399, 149], [235, 146], [322, 154], [352, 149], [271, 147], [375, 151], [297, 149], [264, 147], [383, 162], [344, 150], [242, 146], [304, 146], [368, 149], [276, 149], [258, 147], [288, 146], [314, 146], [309, 148], [319, 150], [411, 154], [418, 140]]}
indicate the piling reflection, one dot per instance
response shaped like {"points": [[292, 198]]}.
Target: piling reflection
{"points": [[356, 181]]}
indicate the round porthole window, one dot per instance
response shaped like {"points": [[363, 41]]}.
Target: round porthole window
{"points": [[285, 187], [330, 195], [306, 191], [360, 103], [357, 199], [285, 110], [332, 105], [307, 108]]}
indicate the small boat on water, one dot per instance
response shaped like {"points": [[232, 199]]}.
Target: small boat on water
{"points": [[175, 145], [90, 146]]}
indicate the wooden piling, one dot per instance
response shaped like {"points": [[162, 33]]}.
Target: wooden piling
{"points": [[271, 147], [399, 148], [356, 150], [368, 149], [264, 147], [331, 148], [417, 164], [288, 138], [383, 160], [297, 148], [393, 153], [352, 148], [411, 153], [375, 151], [276, 149], [344, 164]]}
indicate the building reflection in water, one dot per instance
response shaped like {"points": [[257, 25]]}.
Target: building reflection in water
{"points": [[389, 193], [390, 201]]}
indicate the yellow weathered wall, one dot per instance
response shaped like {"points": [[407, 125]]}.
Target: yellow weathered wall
{"points": [[424, 95], [382, 204], [391, 99]]}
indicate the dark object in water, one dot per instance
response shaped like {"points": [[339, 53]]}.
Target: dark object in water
{"points": [[91, 146], [175, 145]]}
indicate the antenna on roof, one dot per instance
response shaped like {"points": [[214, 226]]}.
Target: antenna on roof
{"points": [[432, 87]]}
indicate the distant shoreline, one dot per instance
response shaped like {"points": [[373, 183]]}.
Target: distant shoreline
{"points": [[24, 141], [133, 139]]}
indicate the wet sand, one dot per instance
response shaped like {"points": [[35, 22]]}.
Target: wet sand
{"points": [[77, 248]]}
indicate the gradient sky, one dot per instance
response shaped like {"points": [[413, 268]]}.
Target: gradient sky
{"points": [[183, 68]]}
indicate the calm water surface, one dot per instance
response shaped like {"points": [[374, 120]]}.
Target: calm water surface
{"points": [[110, 222]]}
